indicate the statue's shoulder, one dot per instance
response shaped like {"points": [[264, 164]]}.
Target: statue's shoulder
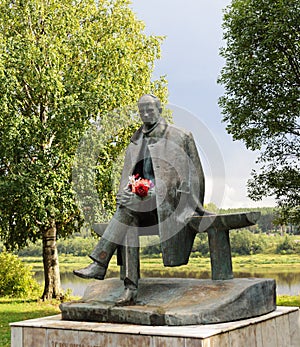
{"points": [[176, 130]]}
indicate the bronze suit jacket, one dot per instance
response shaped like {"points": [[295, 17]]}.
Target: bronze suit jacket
{"points": [[179, 186]]}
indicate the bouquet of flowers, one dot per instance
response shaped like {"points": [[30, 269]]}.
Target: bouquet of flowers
{"points": [[139, 186]]}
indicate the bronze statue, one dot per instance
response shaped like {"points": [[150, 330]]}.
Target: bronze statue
{"points": [[161, 192], [166, 156]]}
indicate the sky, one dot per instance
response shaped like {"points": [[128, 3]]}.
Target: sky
{"points": [[191, 62]]}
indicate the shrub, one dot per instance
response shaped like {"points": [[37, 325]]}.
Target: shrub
{"points": [[16, 277], [287, 246], [32, 250], [151, 250], [77, 246], [200, 246], [245, 243]]}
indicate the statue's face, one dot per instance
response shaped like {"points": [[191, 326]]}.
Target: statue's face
{"points": [[148, 110]]}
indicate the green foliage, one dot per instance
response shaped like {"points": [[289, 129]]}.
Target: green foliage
{"points": [[150, 246], [62, 64], [288, 246], [15, 277], [32, 250], [201, 246], [261, 101], [77, 246], [211, 207], [244, 242], [152, 250]]}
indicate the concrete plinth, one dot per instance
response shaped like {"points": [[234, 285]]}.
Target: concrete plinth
{"points": [[281, 328], [175, 301]]}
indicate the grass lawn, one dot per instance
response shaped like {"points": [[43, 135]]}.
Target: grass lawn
{"points": [[14, 310]]}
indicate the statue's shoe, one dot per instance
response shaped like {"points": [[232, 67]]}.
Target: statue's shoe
{"points": [[93, 270], [128, 298]]}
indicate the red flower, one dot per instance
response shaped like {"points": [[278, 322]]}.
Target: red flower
{"points": [[141, 188]]}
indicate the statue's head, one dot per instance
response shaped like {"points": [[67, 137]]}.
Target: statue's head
{"points": [[149, 109]]}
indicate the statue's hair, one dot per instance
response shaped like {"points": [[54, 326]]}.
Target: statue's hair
{"points": [[156, 99]]}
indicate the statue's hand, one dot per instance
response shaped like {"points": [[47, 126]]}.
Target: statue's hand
{"points": [[134, 202], [128, 199]]}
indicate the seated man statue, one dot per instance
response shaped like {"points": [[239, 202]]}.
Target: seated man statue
{"points": [[164, 158]]}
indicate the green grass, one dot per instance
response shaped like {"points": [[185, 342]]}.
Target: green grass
{"points": [[14, 310], [285, 300]]}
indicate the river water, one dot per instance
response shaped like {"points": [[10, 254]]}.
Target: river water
{"points": [[286, 283]]}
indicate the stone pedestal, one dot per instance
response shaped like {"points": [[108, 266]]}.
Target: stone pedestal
{"points": [[175, 301], [281, 328]]}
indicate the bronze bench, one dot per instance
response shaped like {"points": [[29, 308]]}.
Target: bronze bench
{"points": [[217, 227]]}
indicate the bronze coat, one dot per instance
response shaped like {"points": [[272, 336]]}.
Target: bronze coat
{"points": [[179, 186]]}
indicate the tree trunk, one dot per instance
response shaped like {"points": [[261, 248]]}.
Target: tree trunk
{"points": [[52, 288]]}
